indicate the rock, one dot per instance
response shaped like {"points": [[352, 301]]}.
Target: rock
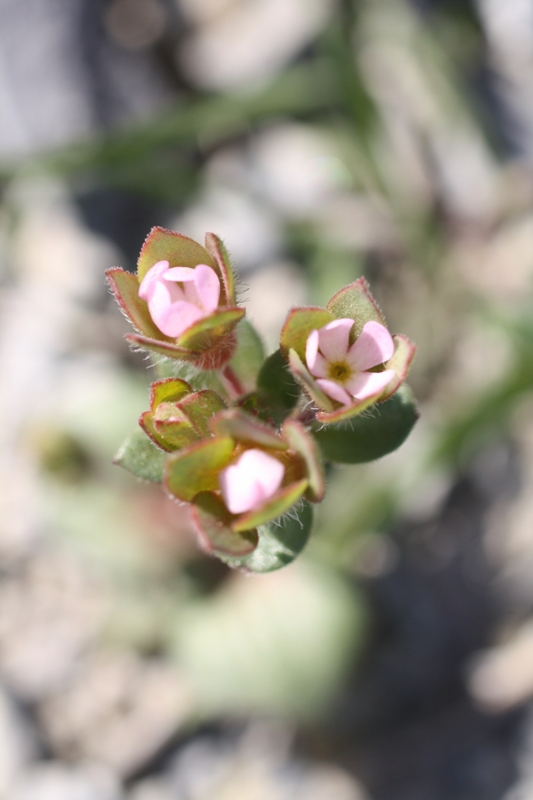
{"points": [[53, 781], [17, 744]]}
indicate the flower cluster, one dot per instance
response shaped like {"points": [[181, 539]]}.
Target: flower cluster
{"points": [[245, 447]]}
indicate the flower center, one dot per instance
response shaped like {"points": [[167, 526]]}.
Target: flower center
{"points": [[339, 371]]}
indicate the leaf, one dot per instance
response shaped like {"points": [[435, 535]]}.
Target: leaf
{"points": [[164, 245], [373, 435], [170, 427], [218, 251], [244, 428], [141, 457], [212, 522], [200, 408], [278, 504], [303, 443], [298, 325], [356, 302], [400, 362], [249, 355], [205, 333], [305, 378], [280, 542], [168, 390], [125, 287], [196, 469], [163, 347], [278, 389]]}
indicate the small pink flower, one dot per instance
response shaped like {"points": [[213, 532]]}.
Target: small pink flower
{"points": [[178, 297], [342, 371], [251, 481]]}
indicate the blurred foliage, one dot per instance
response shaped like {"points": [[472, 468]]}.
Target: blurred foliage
{"points": [[423, 201]]}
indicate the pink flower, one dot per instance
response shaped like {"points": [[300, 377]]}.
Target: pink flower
{"points": [[178, 297], [251, 481], [342, 371]]}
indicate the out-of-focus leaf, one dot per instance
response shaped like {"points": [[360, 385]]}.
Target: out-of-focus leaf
{"points": [[249, 354], [282, 645], [373, 435], [278, 389], [141, 457]]}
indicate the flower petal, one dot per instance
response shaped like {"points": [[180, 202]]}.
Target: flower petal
{"points": [[311, 349], [207, 284], [321, 368], [252, 480], [333, 339], [373, 347], [151, 279], [366, 384], [181, 274], [316, 363], [335, 391], [177, 317]]}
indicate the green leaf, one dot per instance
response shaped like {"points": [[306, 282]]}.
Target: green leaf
{"points": [[298, 325], [205, 333], [168, 390], [368, 437], [245, 428], [249, 355], [170, 427], [200, 407], [279, 542], [125, 287], [303, 443], [404, 352], [304, 377], [163, 347], [212, 522], [278, 389], [278, 504], [196, 469], [356, 302], [178, 250], [218, 251], [141, 457]]}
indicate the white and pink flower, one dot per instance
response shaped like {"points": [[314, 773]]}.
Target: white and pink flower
{"points": [[178, 297], [343, 372], [251, 481]]}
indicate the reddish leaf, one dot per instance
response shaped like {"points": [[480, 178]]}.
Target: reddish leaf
{"points": [[356, 302], [178, 250], [212, 522]]}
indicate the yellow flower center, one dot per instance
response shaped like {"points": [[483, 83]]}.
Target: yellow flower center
{"points": [[339, 371]]}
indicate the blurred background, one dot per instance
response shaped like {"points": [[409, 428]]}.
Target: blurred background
{"points": [[322, 140]]}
